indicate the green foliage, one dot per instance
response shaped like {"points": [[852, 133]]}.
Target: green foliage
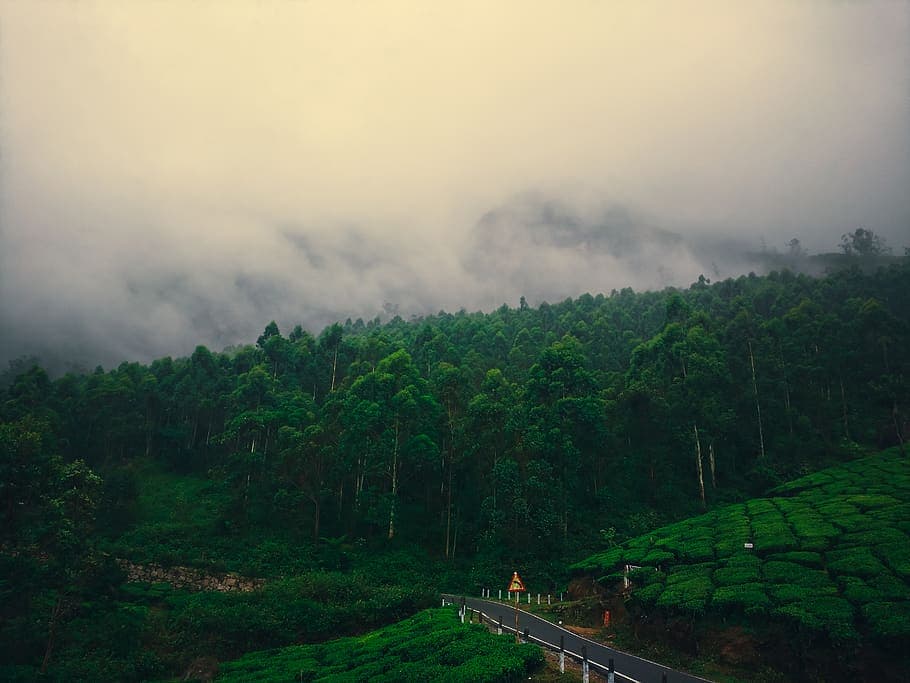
{"points": [[466, 442], [432, 645], [831, 614], [808, 559], [689, 595], [658, 557], [897, 557], [784, 593], [749, 598], [736, 575], [649, 594], [888, 619], [858, 592], [857, 561], [852, 557]]}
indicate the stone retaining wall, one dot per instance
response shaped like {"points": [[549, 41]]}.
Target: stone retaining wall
{"points": [[188, 578]]}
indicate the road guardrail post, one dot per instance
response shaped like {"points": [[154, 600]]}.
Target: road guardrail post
{"points": [[585, 670], [562, 654]]}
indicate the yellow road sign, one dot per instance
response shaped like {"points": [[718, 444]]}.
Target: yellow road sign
{"points": [[516, 583]]}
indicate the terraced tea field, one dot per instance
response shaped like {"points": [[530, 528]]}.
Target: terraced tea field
{"points": [[830, 553], [433, 645]]}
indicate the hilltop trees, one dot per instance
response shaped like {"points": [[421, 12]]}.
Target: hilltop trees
{"points": [[519, 431], [862, 242]]}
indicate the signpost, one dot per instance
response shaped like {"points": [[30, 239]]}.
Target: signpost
{"points": [[517, 586]]}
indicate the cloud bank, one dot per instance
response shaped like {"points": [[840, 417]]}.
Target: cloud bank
{"points": [[182, 173]]}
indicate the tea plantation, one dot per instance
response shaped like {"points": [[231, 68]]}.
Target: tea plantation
{"points": [[831, 555], [433, 645]]}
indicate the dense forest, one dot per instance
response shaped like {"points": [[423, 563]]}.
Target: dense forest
{"points": [[480, 441]]}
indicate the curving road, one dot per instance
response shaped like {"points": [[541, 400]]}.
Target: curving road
{"points": [[628, 667]]}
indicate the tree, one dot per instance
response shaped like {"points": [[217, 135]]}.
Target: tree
{"points": [[863, 243], [47, 514]]}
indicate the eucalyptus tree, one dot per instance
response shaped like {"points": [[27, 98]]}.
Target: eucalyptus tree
{"points": [[390, 420]]}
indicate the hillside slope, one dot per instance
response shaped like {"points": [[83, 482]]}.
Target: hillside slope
{"points": [[830, 563], [432, 645]]}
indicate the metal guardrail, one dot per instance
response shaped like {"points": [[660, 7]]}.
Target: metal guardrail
{"points": [[581, 657]]}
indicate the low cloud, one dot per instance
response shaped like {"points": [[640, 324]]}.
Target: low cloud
{"points": [[174, 174]]}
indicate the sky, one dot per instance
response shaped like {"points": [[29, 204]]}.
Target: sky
{"points": [[177, 173]]}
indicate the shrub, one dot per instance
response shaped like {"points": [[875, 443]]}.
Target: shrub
{"points": [[784, 572], [809, 525], [884, 536], [743, 559], [650, 593], [837, 508], [804, 558], [858, 592], [867, 502], [432, 645], [687, 596], [736, 575], [697, 550], [748, 597], [831, 614], [771, 532], [758, 506], [814, 543], [897, 557], [855, 562], [729, 545], [646, 576], [888, 619], [606, 560], [635, 555], [687, 572], [658, 557], [890, 587], [850, 522], [771, 542]]}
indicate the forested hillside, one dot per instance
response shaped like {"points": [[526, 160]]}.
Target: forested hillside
{"points": [[521, 437], [522, 430]]}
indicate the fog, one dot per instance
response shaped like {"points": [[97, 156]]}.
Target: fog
{"points": [[175, 174]]}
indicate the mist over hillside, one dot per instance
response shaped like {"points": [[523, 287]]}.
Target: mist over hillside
{"points": [[161, 301], [293, 163]]}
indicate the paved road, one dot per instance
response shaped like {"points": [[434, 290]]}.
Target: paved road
{"points": [[628, 667]]}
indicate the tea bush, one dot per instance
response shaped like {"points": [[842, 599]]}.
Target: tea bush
{"points": [[831, 553], [432, 645]]}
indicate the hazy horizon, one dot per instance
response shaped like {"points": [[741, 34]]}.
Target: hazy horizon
{"points": [[175, 174]]}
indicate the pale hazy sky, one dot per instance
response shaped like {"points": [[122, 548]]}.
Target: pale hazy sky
{"points": [[179, 172]]}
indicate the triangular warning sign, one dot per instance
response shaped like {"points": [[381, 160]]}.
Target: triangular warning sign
{"points": [[516, 583]]}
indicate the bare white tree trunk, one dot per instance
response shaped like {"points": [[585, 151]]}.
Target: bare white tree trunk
{"points": [[761, 434], [698, 468], [711, 463], [449, 514], [358, 482], [394, 486]]}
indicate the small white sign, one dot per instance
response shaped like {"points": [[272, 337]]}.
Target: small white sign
{"points": [[748, 546]]}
